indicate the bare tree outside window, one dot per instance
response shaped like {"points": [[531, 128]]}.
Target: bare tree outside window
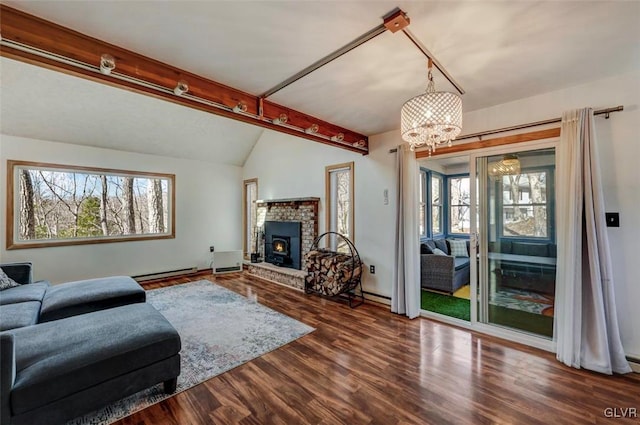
{"points": [[459, 200], [251, 230], [61, 205], [422, 204], [524, 205], [436, 204], [339, 181]]}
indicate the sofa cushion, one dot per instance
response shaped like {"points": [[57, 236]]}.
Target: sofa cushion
{"points": [[530, 248], [458, 247], [438, 251], [17, 315], [503, 246], [430, 243], [86, 296], [20, 272], [22, 293], [425, 249], [460, 263], [441, 244], [57, 359], [6, 282]]}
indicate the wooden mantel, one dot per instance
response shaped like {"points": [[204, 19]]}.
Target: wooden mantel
{"points": [[25, 37]]}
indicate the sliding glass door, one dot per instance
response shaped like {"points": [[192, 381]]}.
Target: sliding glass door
{"points": [[513, 233]]}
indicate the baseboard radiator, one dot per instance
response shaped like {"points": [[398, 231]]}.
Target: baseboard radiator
{"points": [[227, 262], [164, 275]]}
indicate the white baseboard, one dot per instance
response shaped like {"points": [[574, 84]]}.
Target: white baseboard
{"points": [[635, 366]]}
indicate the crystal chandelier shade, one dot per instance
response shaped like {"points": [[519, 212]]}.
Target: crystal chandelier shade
{"points": [[432, 118], [509, 165]]}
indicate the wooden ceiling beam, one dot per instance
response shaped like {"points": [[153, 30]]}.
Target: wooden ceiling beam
{"points": [[36, 33]]}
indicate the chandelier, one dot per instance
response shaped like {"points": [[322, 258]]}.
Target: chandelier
{"points": [[509, 165], [432, 118]]}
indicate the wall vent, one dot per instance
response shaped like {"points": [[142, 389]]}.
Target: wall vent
{"points": [[227, 262]]}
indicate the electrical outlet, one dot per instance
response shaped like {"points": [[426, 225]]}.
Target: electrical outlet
{"points": [[212, 248], [372, 269]]}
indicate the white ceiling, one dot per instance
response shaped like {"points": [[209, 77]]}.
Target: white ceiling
{"points": [[48, 105], [498, 51]]}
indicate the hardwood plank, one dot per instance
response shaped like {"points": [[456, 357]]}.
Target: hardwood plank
{"points": [[368, 366]]}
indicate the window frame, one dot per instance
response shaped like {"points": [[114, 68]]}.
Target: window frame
{"points": [[424, 180], [329, 201], [442, 205], [449, 204], [13, 206], [550, 195], [245, 214], [428, 196]]}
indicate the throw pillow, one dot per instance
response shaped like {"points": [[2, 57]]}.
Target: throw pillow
{"points": [[438, 251], [458, 247], [425, 249], [6, 282], [441, 244]]}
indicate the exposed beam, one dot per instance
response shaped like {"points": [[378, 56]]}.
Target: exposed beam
{"points": [[34, 40], [396, 20], [500, 141], [327, 59], [431, 57]]}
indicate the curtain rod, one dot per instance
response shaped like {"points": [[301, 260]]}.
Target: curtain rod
{"points": [[479, 135]]}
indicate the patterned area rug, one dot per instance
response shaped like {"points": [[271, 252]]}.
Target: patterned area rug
{"points": [[219, 330], [516, 299]]}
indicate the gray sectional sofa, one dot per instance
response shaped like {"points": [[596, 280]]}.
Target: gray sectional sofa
{"points": [[446, 273], [68, 349], [525, 265]]}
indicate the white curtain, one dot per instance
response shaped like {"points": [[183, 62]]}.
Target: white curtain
{"points": [[405, 295], [586, 325]]}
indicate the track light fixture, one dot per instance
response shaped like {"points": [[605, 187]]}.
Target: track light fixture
{"points": [[107, 64], [337, 138], [181, 88], [313, 129], [240, 107], [282, 119]]}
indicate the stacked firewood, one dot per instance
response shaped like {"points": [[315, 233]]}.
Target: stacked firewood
{"points": [[331, 273]]}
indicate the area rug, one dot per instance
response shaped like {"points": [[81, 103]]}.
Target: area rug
{"points": [[463, 292], [219, 330], [516, 299]]}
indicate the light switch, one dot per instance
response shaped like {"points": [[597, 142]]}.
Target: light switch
{"points": [[385, 195]]}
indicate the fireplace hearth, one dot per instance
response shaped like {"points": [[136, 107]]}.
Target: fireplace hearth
{"points": [[282, 244]]}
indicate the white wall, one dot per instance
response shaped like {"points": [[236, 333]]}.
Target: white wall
{"points": [[287, 167], [275, 154], [207, 213], [619, 152]]}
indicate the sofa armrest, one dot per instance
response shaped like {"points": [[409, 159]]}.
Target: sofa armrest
{"points": [[7, 375], [20, 272], [437, 271]]}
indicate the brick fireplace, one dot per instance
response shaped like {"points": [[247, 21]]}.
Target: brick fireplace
{"points": [[302, 210]]}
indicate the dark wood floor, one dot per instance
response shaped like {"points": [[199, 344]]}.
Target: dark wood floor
{"points": [[368, 366]]}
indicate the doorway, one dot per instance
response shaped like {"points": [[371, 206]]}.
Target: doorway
{"points": [[515, 240]]}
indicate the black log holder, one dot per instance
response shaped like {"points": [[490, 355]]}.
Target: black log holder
{"points": [[349, 292]]}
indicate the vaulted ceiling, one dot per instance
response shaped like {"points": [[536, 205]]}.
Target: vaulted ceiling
{"points": [[497, 51]]}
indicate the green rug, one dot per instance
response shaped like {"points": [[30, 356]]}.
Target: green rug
{"points": [[498, 315], [447, 305]]}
